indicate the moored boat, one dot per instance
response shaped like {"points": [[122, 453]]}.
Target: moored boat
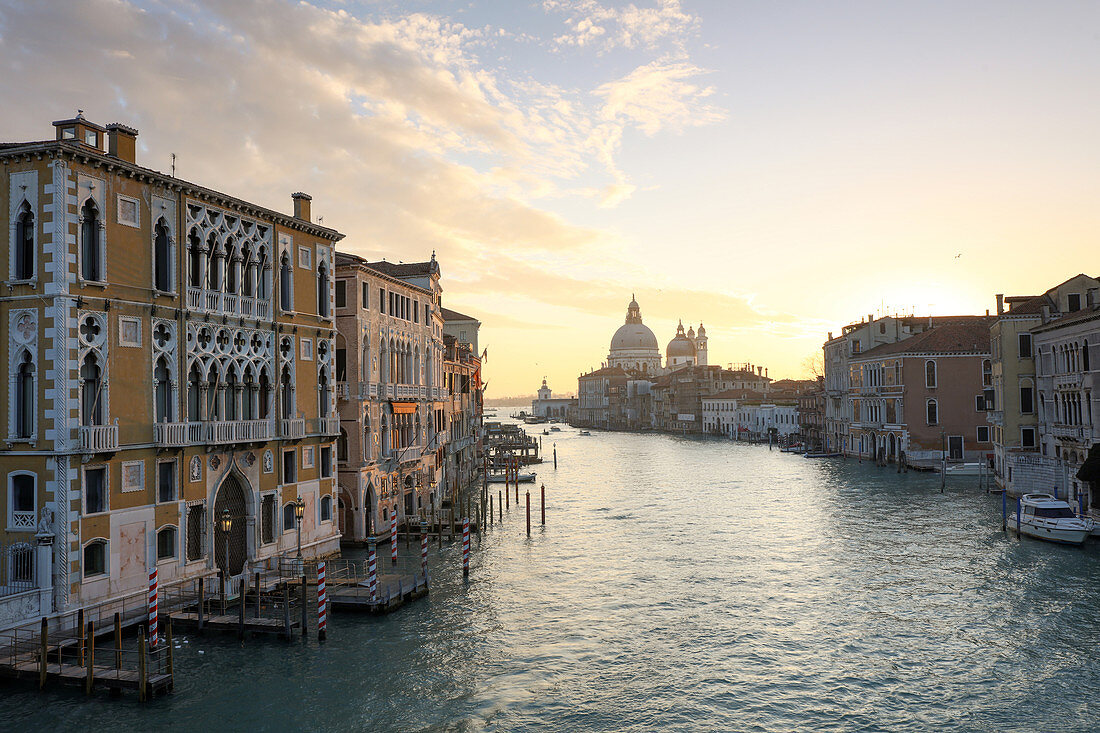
{"points": [[1046, 518]]}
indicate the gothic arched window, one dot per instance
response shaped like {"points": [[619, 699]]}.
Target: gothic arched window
{"points": [[24, 397], [24, 243], [90, 242], [91, 391], [162, 258]]}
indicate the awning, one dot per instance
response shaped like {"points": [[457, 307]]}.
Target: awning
{"points": [[403, 408]]}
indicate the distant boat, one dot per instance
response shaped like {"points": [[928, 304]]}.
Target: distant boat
{"points": [[821, 455], [555, 429], [1046, 518], [545, 432], [585, 432]]}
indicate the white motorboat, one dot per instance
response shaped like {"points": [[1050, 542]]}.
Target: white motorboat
{"points": [[521, 477], [1046, 518], [966, 469]]}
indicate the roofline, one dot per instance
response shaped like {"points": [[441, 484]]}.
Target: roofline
{"points": [[361, 264], [77, 151]]}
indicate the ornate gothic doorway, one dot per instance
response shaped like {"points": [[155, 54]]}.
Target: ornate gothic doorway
{"points": [[231, 495]]}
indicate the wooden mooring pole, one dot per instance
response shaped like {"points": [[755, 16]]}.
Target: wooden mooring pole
{"points": [[89, 680], [118, 640], [44, 633], [258, 594], [543, 502], [528, 494], [80, 637], [305, 609], [142, 672], [492, 516], [171, 664], [202, 603]]}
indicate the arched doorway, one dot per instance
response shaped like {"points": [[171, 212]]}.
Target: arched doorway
{"points": [[369, 508], [233, 496], [891, 449], [346, 512]]}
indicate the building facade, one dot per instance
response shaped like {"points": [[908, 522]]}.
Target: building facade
{"points": [[545, 405], [171, 363]]}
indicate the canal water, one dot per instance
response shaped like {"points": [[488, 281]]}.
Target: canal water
{"points": [[681, 584]]}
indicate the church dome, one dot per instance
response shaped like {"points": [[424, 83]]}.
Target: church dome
{"points": [[680, 345], [633, 336]]}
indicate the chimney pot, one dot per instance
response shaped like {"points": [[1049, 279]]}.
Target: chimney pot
{"points": [[1000, 303], [122, 142], [301, 205], [1046, 312]]}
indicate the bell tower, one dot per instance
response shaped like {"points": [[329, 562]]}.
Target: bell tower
{"points": [[701, 346]]}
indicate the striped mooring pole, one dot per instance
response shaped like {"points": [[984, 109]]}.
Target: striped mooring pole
{"points": [[372, 569], [153, 607], [466, 546], [393, 535], [424, 548], [322, 602]]}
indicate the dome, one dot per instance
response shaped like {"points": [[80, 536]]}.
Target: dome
{"points": [[680, 346], [633, 336]]}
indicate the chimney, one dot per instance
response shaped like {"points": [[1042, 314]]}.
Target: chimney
{"points": [[1090, 297], [1046, 312], [1000, 303], [301, 205], [830, 335], [122, 142]]}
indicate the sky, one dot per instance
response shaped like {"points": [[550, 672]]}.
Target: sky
{"points": [[774, 170]]}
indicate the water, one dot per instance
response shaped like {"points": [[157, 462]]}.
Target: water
{"points": [[684, 585]]}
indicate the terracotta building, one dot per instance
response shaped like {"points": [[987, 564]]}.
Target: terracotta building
{"points": [[171, 358]]}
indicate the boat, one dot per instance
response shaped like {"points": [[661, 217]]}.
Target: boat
{"points": [[501, 477], [545, 432], [966, 469], [822, 455], [555, 429], [1046, 518], [585, 432]]}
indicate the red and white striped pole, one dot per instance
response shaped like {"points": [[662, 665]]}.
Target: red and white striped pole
{"points": [[372, 570], [393, 534], [322, 602], [153, 607], [424, 549], [466, 546]]}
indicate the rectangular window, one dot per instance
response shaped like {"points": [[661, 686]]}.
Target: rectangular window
{"points": [[95, 490], [267, 519], [196, 521], [341, 294], [95, 559], [990, 399], [166, 543], [1025, 345], [979, 403], [326, 461], [427, 313], [381, 300], [306, 349], [290, 467], [366, 295], [1027, 400], [166, 481], [416, 311], [289, 520], [1074, 302], [983, 433], [1027, 437], [305, 258]]}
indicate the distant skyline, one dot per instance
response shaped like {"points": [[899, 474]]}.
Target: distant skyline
{"points": [[774, 170]]}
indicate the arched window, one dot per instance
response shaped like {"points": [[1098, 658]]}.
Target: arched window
{"points": [[286, 388], [194, 257], [248, 281], [24, 397], [90, 242], [248, 395], [24, 243], [91, 391], [162, 258], [1085, 361], [324, 401], [342, 446], [162, 378], [213, 263], [229, 409], [194, 393], [261, 274], [232, 267], [22, 504], [213, 382], [322, 290], [929, 373], [932, 412], [288, 516], [95, 558], [166, 543], [265, 396], [987, 373], [326, 508], [368, 446], [286, 299]]}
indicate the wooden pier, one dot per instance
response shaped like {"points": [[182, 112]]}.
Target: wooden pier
{"points": [[392, 592]]}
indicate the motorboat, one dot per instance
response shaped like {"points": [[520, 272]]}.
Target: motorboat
{"points": [[555, 429], [521, 477], [545, 432], [585, 432], [1046, 518], [822, 455]]}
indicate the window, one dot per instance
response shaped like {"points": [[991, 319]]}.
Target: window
{"points": [[95, 558], [286, 294], [341, 294], [307, 456], [267, 519], [133, 476], [983, 433], [932, 412], [1027, 437], [987, 373], [326, 460], [1073, 300], [290, 467], [341, 365], [166, 543], [416, 311], [24, 243], [326, 508], [90, 242], [95, 490], [288, 516], [91, 137], [307, 349], [128, 212], [68, 133], [979, 403], [91, 391], [342, 446], [162, 258], [930, 374], [24, 397], [366, 295], [305, 258], [990, 398], [23, 507], [1085, 366], [1027, 399], [1024, 342], [196, 524], [166, 481], [381, 300], [322, 291]]}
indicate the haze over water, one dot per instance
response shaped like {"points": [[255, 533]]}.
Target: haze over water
{"points": [[686, 585]]}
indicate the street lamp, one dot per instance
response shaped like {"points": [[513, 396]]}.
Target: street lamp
{"points": [[226, 523], [299, 512]]}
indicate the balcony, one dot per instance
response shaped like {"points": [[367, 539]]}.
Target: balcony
{"points": [[172, 434], [23, 521], [292, 428], [179, 434], [1072, 432], [343, 392], [99, 438], [229, 304], [324, 425]]}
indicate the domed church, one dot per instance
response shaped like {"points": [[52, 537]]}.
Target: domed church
{"points": [[634, 346], [687, 349]]}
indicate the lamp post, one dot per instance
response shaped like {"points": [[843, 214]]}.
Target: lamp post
{"points": [[226, 523], [299, 512]]}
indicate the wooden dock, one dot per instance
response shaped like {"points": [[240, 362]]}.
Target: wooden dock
{"points": [[392, 592]]}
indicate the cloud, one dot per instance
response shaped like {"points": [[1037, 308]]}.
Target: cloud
{"points": [[659, 95], [591, 24]]}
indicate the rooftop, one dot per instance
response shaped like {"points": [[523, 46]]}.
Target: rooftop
{"points": [[959, 335]]}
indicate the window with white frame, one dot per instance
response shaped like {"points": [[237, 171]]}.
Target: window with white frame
{"points": [[983, 434], [932, 412], [326, 508], [289, 520], [22, 501], [133, 476], [1027, 437], [307, 456], [306, 349], [930, 373], [23, 244], [267, 519], [91, 242], [196, 530], [305, 258], [167, 542], [166, 481]]}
